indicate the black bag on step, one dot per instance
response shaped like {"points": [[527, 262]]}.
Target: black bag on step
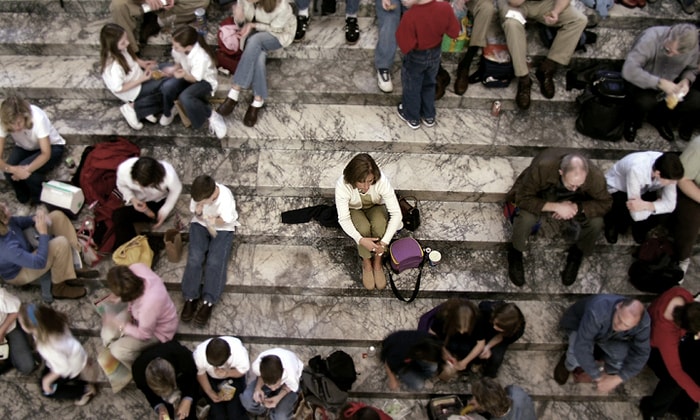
{"points": [[602, 106], [655, 270]]}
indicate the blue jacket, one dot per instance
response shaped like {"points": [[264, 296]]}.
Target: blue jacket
{"points": [[15, 252], [592, 318]]}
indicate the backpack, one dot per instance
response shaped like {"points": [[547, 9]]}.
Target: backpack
{"points": [[548, 33], [655, 270], [318, 386], [495, 67], [602, 106], [97, 177], [228, 37]]}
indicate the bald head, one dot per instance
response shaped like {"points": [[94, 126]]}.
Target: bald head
{"points": [[573, 169], [627, 315]]}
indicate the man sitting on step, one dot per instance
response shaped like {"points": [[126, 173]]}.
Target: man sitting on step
{"points": [[130, 15], [662, 64], [557, 13], [569, 187], [613, 328]]}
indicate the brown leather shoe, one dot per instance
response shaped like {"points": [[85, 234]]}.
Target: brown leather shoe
{"points": [[188, 310], [441, 82], [203, 313], [87, 273], [561, 374], [545, 75], [462, 80], [251, 116], [227, 107], [522, 98], [64, 291]]}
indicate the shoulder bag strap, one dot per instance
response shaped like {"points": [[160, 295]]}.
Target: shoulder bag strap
{"points": [[396, 291]]}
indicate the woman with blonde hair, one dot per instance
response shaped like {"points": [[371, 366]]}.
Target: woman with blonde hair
{"points": [[37, 147]]}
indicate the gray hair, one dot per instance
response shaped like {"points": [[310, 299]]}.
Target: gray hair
{"points": [[573, 161], [686, 35]]}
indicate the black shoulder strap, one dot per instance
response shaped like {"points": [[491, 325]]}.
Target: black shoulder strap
{"points": [[396, 291]]}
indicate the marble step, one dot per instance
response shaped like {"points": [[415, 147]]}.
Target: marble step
{"points": [[352, 128]]}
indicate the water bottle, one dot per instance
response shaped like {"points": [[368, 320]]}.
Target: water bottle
{"points": [[200, 18]]}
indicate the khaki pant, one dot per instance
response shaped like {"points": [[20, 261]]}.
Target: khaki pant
{"points": [[483, 12], [371, 223], [571, 24], [60, 258], [126, 349], [129, 15]]}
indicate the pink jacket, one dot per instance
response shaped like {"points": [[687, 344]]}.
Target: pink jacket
{"points": [[153, 314]]}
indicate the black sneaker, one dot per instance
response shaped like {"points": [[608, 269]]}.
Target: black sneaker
{"points": [[352, 30], [573, 262], [414, 124], [302, 26], [516, 272]]}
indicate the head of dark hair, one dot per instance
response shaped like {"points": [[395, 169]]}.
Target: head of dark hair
{"points": [[202, 187], [669, 166], [508, 317], [218, 351], [124, 283], [491, 396], [459, 317], [148, 172], [428, 349], [688, 317], [187, 36], [110, 35], [359, 168], [364, 413], [271, 369]]}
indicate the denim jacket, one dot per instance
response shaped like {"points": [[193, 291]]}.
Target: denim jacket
{"points": [[592, 318]]}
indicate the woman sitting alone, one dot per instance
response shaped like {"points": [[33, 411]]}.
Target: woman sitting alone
{"points": [[37, 150], [363, 196]]}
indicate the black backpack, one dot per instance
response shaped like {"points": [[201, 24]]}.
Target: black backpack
{"points": [[326, 382], [493, 74], [655, 269], [548, 33], [602, 106]]}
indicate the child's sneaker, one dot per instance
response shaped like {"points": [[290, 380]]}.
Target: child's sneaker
{"points": [[414, 124], [217, 125], [429, 122], [384, 80], [352, 30], [130, 116], [166, 121]]}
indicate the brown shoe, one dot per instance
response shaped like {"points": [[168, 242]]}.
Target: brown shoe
{"points": [[561, 374], [227, 107], [203, 313], [368, 279], [441, 83], [462, 80], [86, 273], [251, 116], [522, 98], [581, 377], [379, 279], [545, 75], [64, 291], [188, 310]]}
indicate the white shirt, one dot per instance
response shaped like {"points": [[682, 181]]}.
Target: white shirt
{"points": [[291, 366], [28, 139], [115, 78], [238, 359], [199, 64], [348, 197], [9, 304], [633, 174], [63, 354], [224, 206], [169, 189]]}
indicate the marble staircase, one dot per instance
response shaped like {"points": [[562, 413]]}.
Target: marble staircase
{"points": [[297, 286]]}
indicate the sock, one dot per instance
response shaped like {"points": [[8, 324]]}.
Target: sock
{"points": [[257, 104], [304, 12], [354, 15], [233, 94]]}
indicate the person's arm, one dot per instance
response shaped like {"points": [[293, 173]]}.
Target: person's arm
{"points": [[280, 18], [21, 172], [638, 352], [635, 181], [597, 189], [493, 342], [668, 347], [392, 206], [9, 320], [153, 298], [667, 202], [690, 188], [203, 380], [342, 205], [125, 184], [37, 259], [394, 384], [174, 186], [588, 329], [48, 380], [643, 51], [273, 401], [476, 351]]}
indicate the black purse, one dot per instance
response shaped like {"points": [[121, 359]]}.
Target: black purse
{"points": [[409, 213]]}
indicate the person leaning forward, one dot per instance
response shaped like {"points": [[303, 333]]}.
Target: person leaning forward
{"points": [[569, 187]]}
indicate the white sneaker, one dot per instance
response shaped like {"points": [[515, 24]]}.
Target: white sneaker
{"points": [[166, 121], [684, 264], [217, 125], [384, 81], [151, 119], [130, 116]]}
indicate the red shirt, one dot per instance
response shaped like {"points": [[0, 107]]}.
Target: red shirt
{"points": [[354, 406], [666, 335], [423, 25]]}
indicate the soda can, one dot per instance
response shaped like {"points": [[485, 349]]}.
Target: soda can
{"points": [[496, 108]]}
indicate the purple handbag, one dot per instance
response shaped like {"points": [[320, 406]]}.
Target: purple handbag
{"points": [[405, 253]]}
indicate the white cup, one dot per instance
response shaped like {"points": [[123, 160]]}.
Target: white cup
{"points": [[434, 258]]}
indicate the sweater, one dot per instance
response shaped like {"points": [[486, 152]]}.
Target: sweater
{"points": [[16, 253], [153, 312], [423, 26], [280, 22]]}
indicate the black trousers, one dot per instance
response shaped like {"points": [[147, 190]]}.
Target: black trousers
{"points": [[619, 216], [650, 104]]}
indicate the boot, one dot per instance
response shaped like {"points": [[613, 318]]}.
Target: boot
{"points": [[573, 262], [149, 27], [545, 75], [64, 291], [516, 272], [442, 81], [462, 79], [522, 98]]}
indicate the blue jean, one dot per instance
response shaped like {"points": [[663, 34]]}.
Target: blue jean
{"points": [[251, 68], [207, 257], [283, 410], [388, 22], [418, 75], [30, 188], [20, 351], [351, 6], [414, 376], [194, 98], [150, 99], [231, 410], [614, 354]]}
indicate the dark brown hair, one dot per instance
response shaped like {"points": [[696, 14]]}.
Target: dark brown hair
{"points": [[491, 396], [148, 172], [218, 351], [202, 187], [669, 166], [271, 369], [44, 319], [110, 35], [508, 317], [124, 283], [186, 36], [359, 168], [458, 315], [688, 317]]}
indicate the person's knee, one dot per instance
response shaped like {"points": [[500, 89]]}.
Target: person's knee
{"points": [[59, 246], [596, 223]]}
